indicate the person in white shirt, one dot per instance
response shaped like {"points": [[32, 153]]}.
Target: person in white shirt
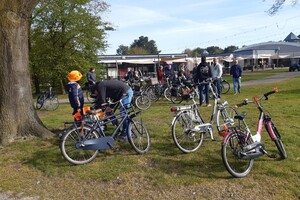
{"points": [[217, 72]]}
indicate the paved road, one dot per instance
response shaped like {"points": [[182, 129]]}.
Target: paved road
{"points": [[272, 79]]}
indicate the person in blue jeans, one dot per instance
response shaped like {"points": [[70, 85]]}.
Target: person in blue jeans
{"points": [[203, 72], [115, 90], [236, 73]]}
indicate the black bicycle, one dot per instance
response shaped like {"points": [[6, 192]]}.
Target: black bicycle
{"points": [[47, 100]]}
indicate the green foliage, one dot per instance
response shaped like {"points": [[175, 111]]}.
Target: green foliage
{"points": [[211, 50], [139, 46], [66, 35]]}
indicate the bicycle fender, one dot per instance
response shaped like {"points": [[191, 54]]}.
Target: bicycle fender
{"points": [[179, 113]]}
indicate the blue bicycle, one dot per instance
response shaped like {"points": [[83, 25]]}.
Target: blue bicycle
{"points": [[81, 142]]}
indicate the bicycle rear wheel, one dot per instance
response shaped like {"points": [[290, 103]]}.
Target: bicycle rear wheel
{"points": [[71, 139], [231, 155], [138, 137], [167, 93], [185, 135], [278, 142], [225, 87], [143, 102], [51, 103]]}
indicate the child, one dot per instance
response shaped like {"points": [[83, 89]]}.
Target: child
{"points": [[75, 92]]}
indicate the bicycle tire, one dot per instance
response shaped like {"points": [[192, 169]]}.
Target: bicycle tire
{"points": [[231, 157], [184, 135], [225, 118], [179, 98], [153, 93], [68, 148], [225, 86], [40, 101], [167, 93], [51, 103], [278, 142], [138, 137], [142, 102]]}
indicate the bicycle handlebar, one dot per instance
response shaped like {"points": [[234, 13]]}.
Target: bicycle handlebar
{"points": [[255, 99]]}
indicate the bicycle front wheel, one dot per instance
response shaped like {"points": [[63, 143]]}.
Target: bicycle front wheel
{"points": [[231, 155], [225, 87], [278, 142], [167, 93], [138, 137], [185, 134], [51, 103], [143, 102], [70, 141], [225, 118]]}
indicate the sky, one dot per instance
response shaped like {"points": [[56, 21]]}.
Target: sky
{"points": [[176, 25]]}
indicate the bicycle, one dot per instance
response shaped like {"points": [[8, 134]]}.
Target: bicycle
{"points": [[188, 126], [240, 147], [178, 92], [225, 86], [81, 142], [88, 93], [47, 100], [140, 98]]}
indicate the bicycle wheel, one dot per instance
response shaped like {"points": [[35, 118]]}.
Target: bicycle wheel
{"points": [[138, 137], [70, 140], [167, 93], [40, 101], [278, 142], [225, 118], [231, 155], [185, 135], [177, 99], [153, 93], [225, 86], [51, 103], [142, 102]]}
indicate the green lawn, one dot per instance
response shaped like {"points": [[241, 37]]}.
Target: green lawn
{"points": [[36, 168]]}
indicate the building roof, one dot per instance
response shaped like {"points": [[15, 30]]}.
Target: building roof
{"points": [[291, 38]]}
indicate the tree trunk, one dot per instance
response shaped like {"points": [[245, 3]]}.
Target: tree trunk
{"points": [[18, 117]]}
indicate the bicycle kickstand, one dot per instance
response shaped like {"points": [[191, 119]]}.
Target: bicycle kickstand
{"points": [[270, 155]]}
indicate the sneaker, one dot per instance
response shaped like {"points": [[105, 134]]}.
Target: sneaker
{"points": [[208, 105], [235, 93], [123, 138]]}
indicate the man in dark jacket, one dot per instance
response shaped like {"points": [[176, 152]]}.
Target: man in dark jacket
{"points": [[236, 73], [115, 90], [203, 72]]}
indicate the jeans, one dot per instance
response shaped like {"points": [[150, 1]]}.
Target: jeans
{"points": [[126, 100], [206, 87], [217, 83], [236, 85]]}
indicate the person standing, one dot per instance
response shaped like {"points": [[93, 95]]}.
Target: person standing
{"points": [[91, 76], [115, 90], [160, 74], [74, 91], [216, 72], [203, 72], [236, 73]]}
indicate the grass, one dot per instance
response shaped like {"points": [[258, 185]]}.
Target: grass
{"points": [[36, 168]]}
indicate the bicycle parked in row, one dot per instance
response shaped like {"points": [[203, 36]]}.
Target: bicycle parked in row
{"points": [[188, 126], [82, 141], [47, 100], [240, 147]]}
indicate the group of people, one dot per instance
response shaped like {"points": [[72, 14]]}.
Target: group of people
{"points": [[118, 90]]}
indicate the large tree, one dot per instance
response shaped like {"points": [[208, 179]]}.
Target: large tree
{"points": [[18, 117], [139, 46], [66, 35]]}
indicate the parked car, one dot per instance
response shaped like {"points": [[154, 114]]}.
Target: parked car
{"points": [[294, 67]]}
